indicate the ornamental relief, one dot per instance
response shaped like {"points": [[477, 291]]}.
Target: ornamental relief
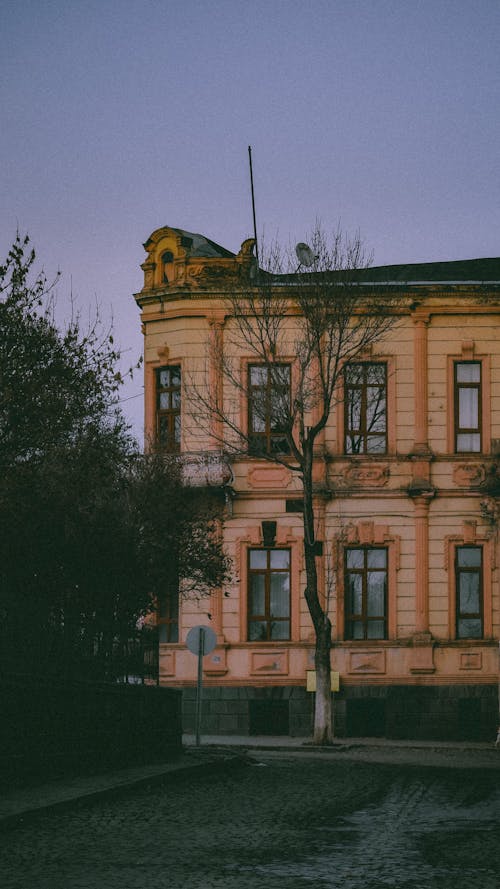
{"points": [[369, 474], [469, 474]]}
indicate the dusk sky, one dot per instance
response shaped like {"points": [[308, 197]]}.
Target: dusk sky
{"points": [[120, 117]]}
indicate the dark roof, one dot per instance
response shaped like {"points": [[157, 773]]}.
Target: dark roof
{"points": [[457, 271], [202, 246]]}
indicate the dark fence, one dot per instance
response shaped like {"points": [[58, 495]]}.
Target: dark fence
{"points": [[130, 657], [50, 727]]}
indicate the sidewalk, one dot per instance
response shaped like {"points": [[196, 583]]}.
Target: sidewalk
{"points": [[282, 742], [229, 751], [16, 804]]}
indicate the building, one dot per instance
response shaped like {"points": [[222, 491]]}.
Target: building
{"points": [[408, 507]]}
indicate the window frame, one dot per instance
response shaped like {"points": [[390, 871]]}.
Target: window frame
{"points": [[349, 617], [364, 433], [468, 353], [170, 413], [266, 616], [168, 618], [468, 570], [463, 385], [268, 434]]}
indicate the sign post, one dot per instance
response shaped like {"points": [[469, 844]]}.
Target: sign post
{"points": [[200, 641]]}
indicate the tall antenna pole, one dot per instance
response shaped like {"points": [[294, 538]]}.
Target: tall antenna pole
{"points": [[253, 207]]}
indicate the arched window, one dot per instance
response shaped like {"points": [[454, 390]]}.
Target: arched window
{"points": [[167, 259]]}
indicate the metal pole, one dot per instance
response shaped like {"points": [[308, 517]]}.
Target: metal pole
{"points": [[201, 639], [253, 207]]}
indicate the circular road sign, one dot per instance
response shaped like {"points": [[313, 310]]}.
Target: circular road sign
{"points": [[206, 644]]}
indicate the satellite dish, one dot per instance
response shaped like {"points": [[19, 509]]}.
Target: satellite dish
{"points": [[304, 254]]}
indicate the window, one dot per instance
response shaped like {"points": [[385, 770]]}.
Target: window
{"points": [[168, 409], [467, 393], [268, 408], [268, 594], [168, 618], [366, 593], [166, 261], [365, 409], [469, 599]]}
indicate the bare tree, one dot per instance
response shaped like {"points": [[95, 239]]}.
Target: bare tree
{"points": [[301, 327]]}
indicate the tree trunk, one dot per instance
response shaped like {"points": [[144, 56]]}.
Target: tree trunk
{"points": [[323, 705], [323, 719]]}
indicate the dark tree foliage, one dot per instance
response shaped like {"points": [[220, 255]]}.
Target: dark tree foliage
{"points": [[92, 534]]}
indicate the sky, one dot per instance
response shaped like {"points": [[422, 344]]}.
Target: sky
{"points": [[119, 117]]}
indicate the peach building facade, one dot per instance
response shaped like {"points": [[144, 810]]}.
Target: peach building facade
{"points": [[407, 503]]}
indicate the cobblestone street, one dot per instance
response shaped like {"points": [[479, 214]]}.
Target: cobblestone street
{"points": [[293, 821]]}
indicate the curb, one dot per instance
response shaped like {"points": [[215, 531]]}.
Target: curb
{"points": [[118, 786]]}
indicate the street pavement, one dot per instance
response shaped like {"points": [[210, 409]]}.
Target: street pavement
{"points": [[259, 813]]}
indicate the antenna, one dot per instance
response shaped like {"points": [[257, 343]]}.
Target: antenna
{"points": [[304, 254], [253, 207]]}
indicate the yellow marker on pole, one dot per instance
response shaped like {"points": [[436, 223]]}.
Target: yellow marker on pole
{"points": [[311, 680]]}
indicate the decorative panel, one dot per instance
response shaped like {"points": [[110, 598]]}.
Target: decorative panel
{"points": [[367, 661], [269, 663]]}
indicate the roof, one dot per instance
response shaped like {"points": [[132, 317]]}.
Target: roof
{"points": [[462, 270], [202, 246], [479, 272]]}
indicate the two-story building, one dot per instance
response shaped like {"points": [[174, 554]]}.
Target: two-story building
{"points": [[408, 508]]}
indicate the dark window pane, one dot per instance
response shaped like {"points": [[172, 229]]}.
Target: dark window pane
{"points": [[163, 430], [353, 374], [278, 445], [353, 444], [268, 408], [177, 429], [280, 558], [375, 373], [375, 629], [258, 558], [355, 558], [355, 601], [366, 408], [258, 375], [469, 442], [375, 411], [375, 444], [279, 595], [357, 630], [366, 592], [354, 410], [257, 630], [469, 556], [470, 628], [257, 603], [468, 372], [468, 408], [280, 629], [376, 558], [258, 422], [376, 594], [469, 593], [268, 594]]}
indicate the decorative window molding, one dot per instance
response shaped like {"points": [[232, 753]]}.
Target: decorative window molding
{"points": [[460, 440], [165, 359], [470, 538], [268, 390], [367, 358], [286, 539], [168, 396], [368, 535]]}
